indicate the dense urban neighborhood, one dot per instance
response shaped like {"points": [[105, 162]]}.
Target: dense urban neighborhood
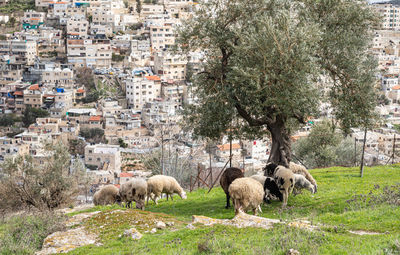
{"points": [[106, 102]]}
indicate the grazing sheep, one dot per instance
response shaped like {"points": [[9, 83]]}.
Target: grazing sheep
{"points": [[300, 182], [283, 177], [227, 177], [134, 190], [107, 195], [299, 169], [158, 184], [271, 189], [246, 194]]}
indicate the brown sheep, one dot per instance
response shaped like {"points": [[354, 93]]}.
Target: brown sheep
{"points": [[229, 175], [246, 194], [107, 195]]}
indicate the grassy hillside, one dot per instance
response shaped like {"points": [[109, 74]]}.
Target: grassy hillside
{"points": [[343, 202]]}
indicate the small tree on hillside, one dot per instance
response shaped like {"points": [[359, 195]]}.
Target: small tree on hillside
{"points": [[138, 6], [30, 114], [84, 76], [265, 61], [46, 186]]}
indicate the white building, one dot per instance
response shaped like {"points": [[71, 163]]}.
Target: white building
{"points": [[140, 90]]}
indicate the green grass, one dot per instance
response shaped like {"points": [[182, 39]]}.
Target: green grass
{"points": [[329, 208]]}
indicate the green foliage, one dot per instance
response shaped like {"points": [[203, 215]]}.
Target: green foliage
{"points": [[30, 114], [91, 97], [24, 234], [264, 66], [45, 185], [84, 76], [117, 58], [17, 5], [93, 135], [138, 6], [76, 146], [122, 143], [7, 120], [325, 147]]}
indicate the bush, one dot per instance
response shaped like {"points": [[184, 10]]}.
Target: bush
{"points": [[25, 234], [30, 115], [93, 135], [117, 58], [90, 98], [46, 186], [325, 147], [7, 120]]}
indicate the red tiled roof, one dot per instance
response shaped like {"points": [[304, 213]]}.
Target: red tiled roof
{"points": [[126, 175], [95, 118], [153, 78], [34, 87], [397, 87], [18, 93], [80, 91]]}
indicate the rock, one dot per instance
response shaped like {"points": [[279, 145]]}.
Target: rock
{"points": [[190, 226], [170, 223], [66, 241], [293, 252], [133, 233], [153, 230], [161, 225]]}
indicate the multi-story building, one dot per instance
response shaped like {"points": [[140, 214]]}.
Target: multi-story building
{"points": [[140, 90], [57, 77], [78, 26], [19, 51], [11, 147], [33, 19], [89, 52], [170, 67], [162, 36], [390, 14], [33, 96], [103, 156]]}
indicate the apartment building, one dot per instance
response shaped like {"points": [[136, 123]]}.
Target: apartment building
{"points": [[170, 67], [63, 100], [140, 90], [57, 77], [78, 26], [94, 53], [390, 15], [162, 36], [33, 19], [11, 148], [20, 52], [33, 96], [103, 156]]}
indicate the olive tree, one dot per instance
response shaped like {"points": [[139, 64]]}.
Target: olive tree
{"points": [[268, 63]]}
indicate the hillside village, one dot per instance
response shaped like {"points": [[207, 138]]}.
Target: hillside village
{"points": [[104, 74]]}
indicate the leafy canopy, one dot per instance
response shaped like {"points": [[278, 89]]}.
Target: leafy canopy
{"points": [[271, 61]]}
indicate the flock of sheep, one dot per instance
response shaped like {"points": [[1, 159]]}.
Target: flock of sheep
{"points": [[137, 189], [247, 193]]}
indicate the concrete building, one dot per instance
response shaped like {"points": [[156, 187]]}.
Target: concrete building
{"points": [[140, 90], [94, 53], [170, 67], [103, 156], [18, 51], [77, 26], [390, 15]]}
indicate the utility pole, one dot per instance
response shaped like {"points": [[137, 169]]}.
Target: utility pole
{"points": [[209, 154], [355, 151], [394, 146], [230, 151], [162, 150], [362, 155]]}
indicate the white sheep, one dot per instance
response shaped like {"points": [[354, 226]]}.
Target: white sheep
{"points": [[246, 194], [260, 178], [107, 195], [158, 184], [134, 190], [299, 169], [300, 182]]}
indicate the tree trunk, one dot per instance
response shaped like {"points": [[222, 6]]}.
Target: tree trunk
{"points": [[280, 153]]}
